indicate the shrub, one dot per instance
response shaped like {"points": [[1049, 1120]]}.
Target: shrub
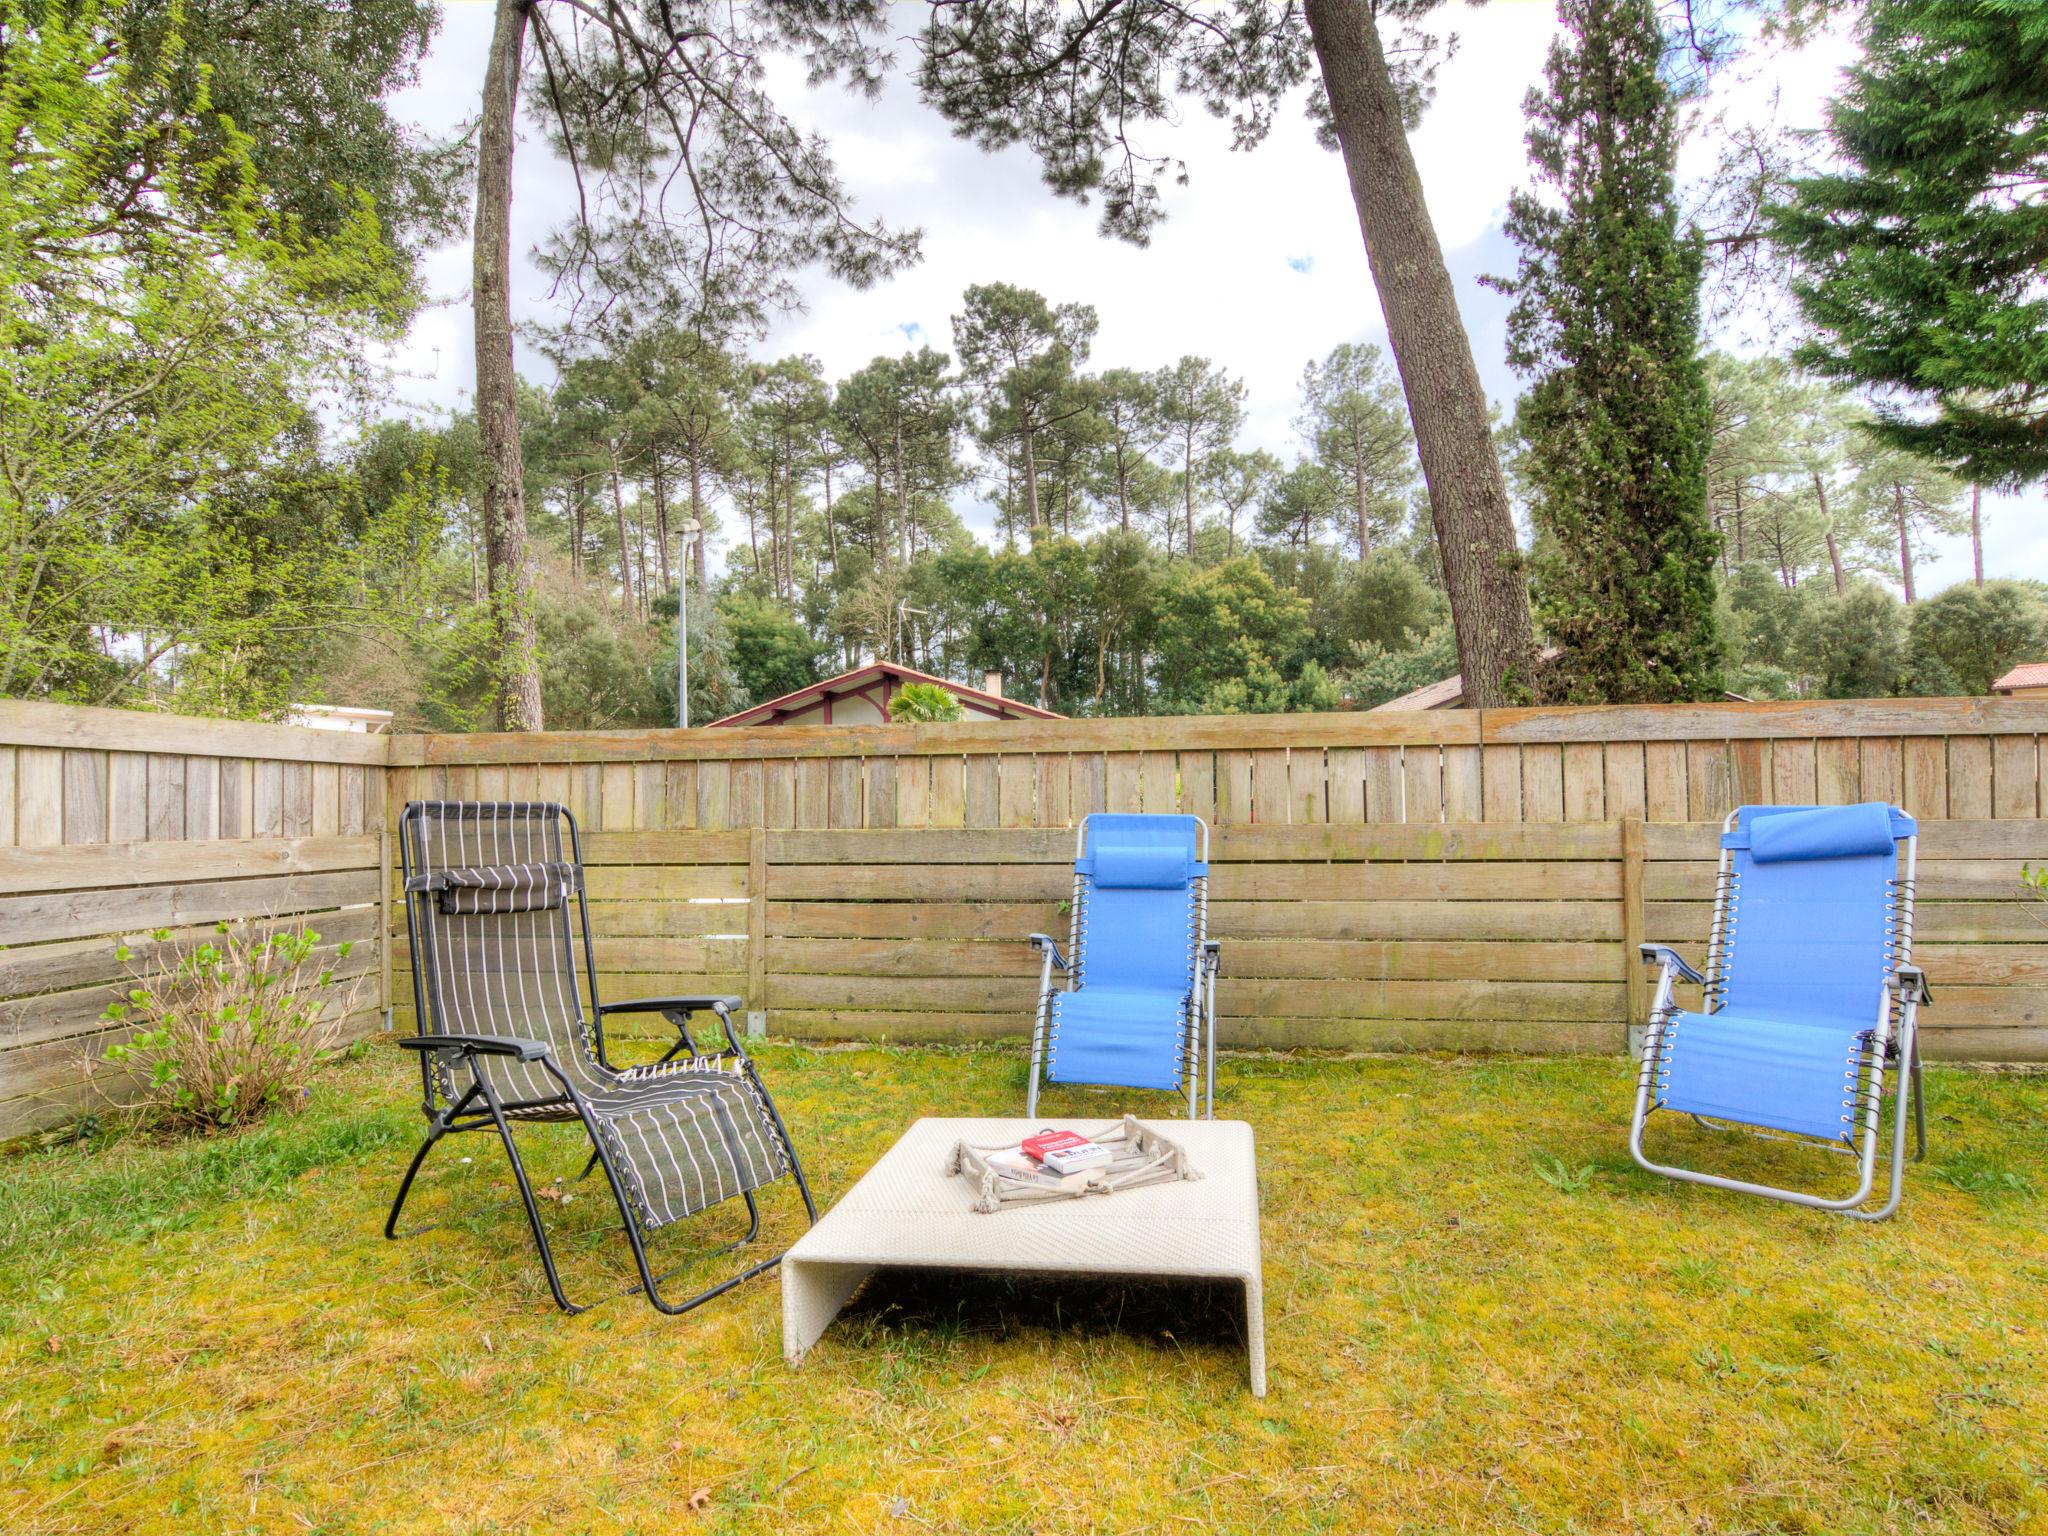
{"points": [[229, 1029], [918, 703]]}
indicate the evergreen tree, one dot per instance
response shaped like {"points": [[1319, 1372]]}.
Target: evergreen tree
{"points": [[1607, 317], [1919, 259]]}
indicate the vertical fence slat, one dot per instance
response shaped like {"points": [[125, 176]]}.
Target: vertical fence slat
{"points": [[1838, 771], [1055, 779], [879, 793], [1348, 794], [983, 793], [1087, 784], [1542, 783], [744, 794], [202, 798], [1386, 796], [1749, 763], [1923, 780], [1625, 792], [2015, 786], [1464, 784], [1792, 773], [1969, 778], [85, 796], [1016, 790], [167, 797], [1883, 775], [1664, 776], [778, 792], [1269, 785], [1198, 785], [949, 792], [1160, 776], [1124, 782], [1709, 780], [1422, 783], [1308, 787], [1233, 788], [1501, 783], [714, 795], [1585, 781]]}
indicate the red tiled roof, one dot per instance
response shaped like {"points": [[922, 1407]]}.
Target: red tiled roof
{"points": [[766, 712], [2028, 674]]}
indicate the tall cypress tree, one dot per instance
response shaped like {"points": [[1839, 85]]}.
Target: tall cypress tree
{"points": [[1606, 320], [1919, 254]]}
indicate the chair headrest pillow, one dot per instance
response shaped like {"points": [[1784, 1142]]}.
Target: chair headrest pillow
{"points": [[1829, 832], [1124, 866]]}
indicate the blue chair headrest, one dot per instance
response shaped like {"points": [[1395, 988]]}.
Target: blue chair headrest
{"points": [[1128, 866], [1825, 832]]}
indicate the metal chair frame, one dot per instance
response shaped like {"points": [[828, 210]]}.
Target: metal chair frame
{"points": [[1905, 989], [1199, 1008], [480, 1108]]}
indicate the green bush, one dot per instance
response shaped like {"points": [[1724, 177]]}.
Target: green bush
{"points": [[227, 1030], [923, 703]]}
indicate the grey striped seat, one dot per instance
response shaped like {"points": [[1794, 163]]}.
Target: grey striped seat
{"points": [[505, 1034]]}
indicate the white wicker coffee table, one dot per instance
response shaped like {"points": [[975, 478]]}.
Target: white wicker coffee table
{"points": [[908, 1213]]}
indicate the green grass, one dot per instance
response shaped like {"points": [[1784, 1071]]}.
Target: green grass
{"points": [[1481, 1317]]}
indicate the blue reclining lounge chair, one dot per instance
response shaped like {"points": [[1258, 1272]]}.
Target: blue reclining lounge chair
{"points": [[1140, 1004], [1811, 996]]}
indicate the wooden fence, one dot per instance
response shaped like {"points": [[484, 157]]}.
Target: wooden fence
{"points": [[1467, 879], [115, 825]]}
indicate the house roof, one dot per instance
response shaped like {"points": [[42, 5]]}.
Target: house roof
{"points": [[1445, 692], [2028, 674], [797, 700]]}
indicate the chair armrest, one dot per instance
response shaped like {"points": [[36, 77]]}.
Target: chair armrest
{"points": [[1671, 960], [1912, 984], [1044, 942], [477, 1045], [1212, 955], [677, 1011], [692, 1004]]}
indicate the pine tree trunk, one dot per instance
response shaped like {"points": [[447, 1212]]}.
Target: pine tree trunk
{"points": [[697, 515], [1905, 542], [575, 530], [619, 523], [1977, 532], [1187, 485], [831, 530], [497, 384], [902, 498], [1030, 440], [1483, 569], [1358, 491], [661, 526], [1827, 523]]}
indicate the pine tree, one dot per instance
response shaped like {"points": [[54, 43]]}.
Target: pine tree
{"points": [[1919, 258], [1606, 318]]}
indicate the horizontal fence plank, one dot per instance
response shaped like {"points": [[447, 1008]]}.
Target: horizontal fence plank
{"points": [[78, 914], [1804, 719], [101, 865], [32, 723], [1160, 733], [33, 968]]}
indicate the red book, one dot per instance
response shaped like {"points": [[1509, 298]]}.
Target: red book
{"points": [[1052, 1141]]}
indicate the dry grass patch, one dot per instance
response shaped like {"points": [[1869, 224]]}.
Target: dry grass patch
{"points": [[1480, 1318]]}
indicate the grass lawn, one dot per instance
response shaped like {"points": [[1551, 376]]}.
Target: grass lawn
{"points": [[1480, 1318]]}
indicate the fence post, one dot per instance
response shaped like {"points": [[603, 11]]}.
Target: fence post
{"points": [[1632, 934], [757, 931]]}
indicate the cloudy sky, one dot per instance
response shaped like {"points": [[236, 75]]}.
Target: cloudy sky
{"points": [[1259, 266]]}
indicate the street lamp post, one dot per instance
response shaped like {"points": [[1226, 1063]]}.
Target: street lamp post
{"points": [[689, 529]]}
